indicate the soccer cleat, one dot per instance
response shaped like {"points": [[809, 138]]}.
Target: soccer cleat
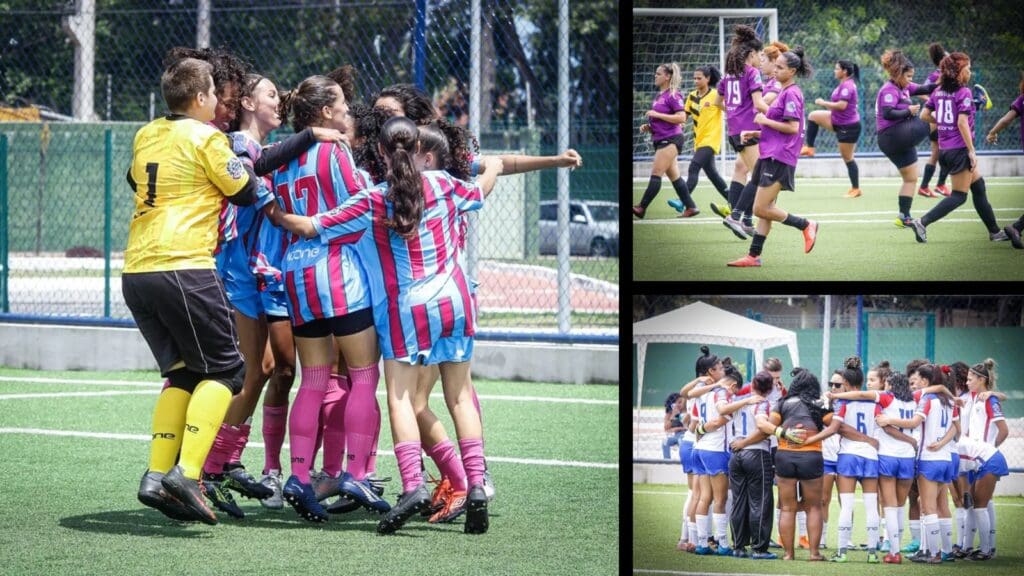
{"points": [[748, 227], [740, 553], [893, 558], [747, 261], [979, 556], [736, 226], [912, 547], [723, 551], [960, 553], [343, 505], [804, 543], [303, 500], [362, 491], [437, 497], [239, 480], [689, 213], [677, 204], [215, 490], [810, 236], [926, 192], [681, 546], [807, 151], [152, 494], [998, 236], [948, 557], [190, 493], [872, 558], [454, 506], [942, 189], [919, 231], [884, 547], [476, 511], [937, 559], [903, 221], [406, 507], [639, 211], [838, 557], [763, 556], [272, 480], [980, 97], [853, 193], [325, 486], [488, 484], [1014, 235], [774, 544], [722, 211], [702, 551]]}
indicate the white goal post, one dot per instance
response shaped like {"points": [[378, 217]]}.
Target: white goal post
{"points": [[690, 38]]}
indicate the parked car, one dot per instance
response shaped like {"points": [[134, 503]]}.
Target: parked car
{"points": [[593, 228]]}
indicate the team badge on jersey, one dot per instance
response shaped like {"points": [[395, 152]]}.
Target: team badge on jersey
{"points": [[235, 169], [888, 98]]}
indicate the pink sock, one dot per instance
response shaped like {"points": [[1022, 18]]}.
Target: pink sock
{"points": [[409, 464], [319, 435], [167, 384], [302, 423], [334, 424], [221, 449], [473, 459], [275, 419], [240, 442], [359, 418], [371, 466], [449, 464], [476, 402]]}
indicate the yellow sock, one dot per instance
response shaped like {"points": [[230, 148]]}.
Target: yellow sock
{"points": [[168, 422], [202, 422]]}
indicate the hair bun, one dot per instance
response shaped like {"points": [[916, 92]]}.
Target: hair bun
{"points": [[883, 364], [853, 363], [705, 350], [743, 34], [990, 363]]}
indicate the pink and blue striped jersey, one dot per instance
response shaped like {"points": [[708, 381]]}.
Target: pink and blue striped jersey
{"points": [[420, 292], [321, 281]]}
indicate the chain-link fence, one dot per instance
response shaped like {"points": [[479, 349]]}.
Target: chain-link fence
{"points": [[942, 329], [69, 133], [857, 31]]}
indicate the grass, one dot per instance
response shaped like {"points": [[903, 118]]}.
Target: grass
{"points": [[69, 502], [857, 239], [656, 515]]}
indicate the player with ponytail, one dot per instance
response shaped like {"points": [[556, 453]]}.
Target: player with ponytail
{"points": [[707, 133], [840, 116]]}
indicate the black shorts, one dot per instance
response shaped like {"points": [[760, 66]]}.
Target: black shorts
{"points": [[185, 317], [899, 142], [847, 133], [738, 145], [272, 319], [799, 464], [677, 140], [955, 160], [346, 325], [768, 171]]}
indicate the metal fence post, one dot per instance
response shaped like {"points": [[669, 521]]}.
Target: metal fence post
{"points": [[421, 43], [5, 304], [564, 279], [108, 207]]}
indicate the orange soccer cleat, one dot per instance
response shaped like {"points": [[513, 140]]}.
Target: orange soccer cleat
{"points": [[810, 235], [853, 193], [747, 261], [807, 151]]}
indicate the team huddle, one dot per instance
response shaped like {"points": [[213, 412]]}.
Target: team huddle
{"points": [[765, 115], [915, 437], [342, 244]]}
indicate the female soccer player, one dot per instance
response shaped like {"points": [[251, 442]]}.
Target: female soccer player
{"points": [[952, 107], [985, 421], [936, 52], [830, 456], [709, 371], [665, 120], [707, 132], [425, 314], [899, 129], [750, 474], [840, 116], [674, 428], [1014, 230], [741, 99], [688, 537], [780, 138], [991, 467]]}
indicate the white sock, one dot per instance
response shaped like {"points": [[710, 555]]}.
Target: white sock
{"points": [[702, 530], [721, 525], [801, 523], [892, 528], [685, 532], [946, 531], [915, 530], [992, 522], [824, 534], [871, 520], [970, 528], [692, 528], [984, 530], [961, 529], [845, 521], [931, 530]]}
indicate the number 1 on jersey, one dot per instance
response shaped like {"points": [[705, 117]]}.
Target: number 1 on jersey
{"points": [[151, 169]]}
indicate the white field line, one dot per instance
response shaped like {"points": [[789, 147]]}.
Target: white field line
{"points": [[145, 438], [857, 499], [989, 181], [77, 394], [708, 221], [678, 573], [158, 385]]}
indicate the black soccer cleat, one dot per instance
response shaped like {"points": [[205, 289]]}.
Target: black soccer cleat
{"points": [[303, 500], [215, 489], [406, 507], [239, 480], [476, 510], [343, 505], [1014, 237], [152, 494], [190, 493]]}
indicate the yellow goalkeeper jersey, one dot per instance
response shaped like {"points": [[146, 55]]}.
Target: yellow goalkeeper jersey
{"points": [[707, 119], [182, 171]]}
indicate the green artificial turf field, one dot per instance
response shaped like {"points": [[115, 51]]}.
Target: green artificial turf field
{"points": [[73, 450], [857, 238]]}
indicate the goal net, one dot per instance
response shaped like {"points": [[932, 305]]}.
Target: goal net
{"points": [[898, 337]]}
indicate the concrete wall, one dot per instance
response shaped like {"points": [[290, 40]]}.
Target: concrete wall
{"points": [[43, 347], [869, 167]]}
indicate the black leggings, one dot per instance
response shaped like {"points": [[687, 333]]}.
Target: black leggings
{"points": [[704, 158]]}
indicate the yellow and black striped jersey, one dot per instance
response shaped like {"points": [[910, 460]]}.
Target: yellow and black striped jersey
{"points": [[707, 119], [182, 171]]}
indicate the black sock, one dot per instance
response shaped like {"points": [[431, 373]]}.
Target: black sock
{"points": [[735, 189], [757, 245], [795, 221], [812, 133], [692, 176], [683, 192], [947, 205], [746, 201], [929, 171], [982, 207], [943, 172], [653, 187], [905, 202], [1019, 224], [851, 169]]}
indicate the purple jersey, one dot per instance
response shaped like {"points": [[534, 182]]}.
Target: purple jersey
{"points": [[420, 293], [774, 144], [946, 109], [847, 90], [739, 106], [891, 96], [933, 78], [1018, 107], [320, 281], [668, 102], [772, 86]]}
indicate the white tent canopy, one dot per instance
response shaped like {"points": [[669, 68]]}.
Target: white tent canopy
{"points": [[701, 323]]}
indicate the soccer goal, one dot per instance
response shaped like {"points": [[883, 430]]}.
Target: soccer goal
{"points": [[898, 337], [690, 38]]}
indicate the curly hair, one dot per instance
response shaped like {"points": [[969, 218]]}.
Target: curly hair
{"points": [[744, 41], [959, 371], [806, 388], [899, 385], [896, 64], [416, 104], [227, 68], [950, 68], [773, 50], [367, 122]]}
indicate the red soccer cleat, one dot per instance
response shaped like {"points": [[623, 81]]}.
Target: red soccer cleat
{"points": [[926, 192], [892, 558], [943, 189], [747, 261], [810, 235], [807, 151], [688, 213]]}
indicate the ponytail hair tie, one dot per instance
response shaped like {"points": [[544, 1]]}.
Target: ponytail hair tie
{"points": [[945, 369]]}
